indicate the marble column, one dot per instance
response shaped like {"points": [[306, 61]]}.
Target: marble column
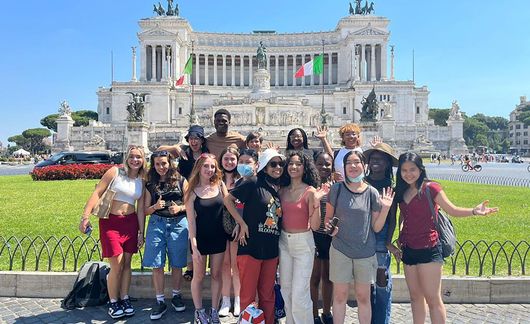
{"points": [[197, 66], [143, 64], [330, 68], [206, 72], [224, 70], [250, 71], [277, 71], [233, 82], [372, 62], [241, 70], [383, 61], [285, 82], [312, 78], [294, 70], [363, 62], [215, 69], [133, 78], [153, 63], [164, 66]]}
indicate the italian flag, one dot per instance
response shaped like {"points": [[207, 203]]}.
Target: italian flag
{"points": [[187, 70], [315, 66]]}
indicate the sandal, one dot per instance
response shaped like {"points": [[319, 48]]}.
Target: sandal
{"points": [[188, 275]]}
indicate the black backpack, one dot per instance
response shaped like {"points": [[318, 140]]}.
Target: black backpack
{"points": [[90, 287]]}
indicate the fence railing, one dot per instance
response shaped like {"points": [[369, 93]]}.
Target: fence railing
{"points": [[68, 254], [481, 179]]}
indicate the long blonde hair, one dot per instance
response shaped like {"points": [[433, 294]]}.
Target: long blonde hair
{"points": [[142, 172], [195, 176]]}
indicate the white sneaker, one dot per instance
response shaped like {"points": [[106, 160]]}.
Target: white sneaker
{"points": [[237, 307], [225, 307]]}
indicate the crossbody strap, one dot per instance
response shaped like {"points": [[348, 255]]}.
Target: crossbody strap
{"points": [[431, 205]]}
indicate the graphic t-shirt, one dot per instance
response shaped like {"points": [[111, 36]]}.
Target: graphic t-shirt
{"points": [[263, 215]]}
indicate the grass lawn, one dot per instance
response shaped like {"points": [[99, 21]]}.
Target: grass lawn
{"points": [[46, 208]]}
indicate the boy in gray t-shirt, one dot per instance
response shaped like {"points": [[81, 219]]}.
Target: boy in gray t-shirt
{"points": [[355, 238]]}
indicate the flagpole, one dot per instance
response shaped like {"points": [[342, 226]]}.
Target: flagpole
{"points": [[322, 110], [193, 117]]}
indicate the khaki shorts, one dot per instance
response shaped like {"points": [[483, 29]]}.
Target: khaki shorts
{"points": [[343, 269]]}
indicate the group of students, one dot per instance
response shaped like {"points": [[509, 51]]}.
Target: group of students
{"points": [[317, 217]]}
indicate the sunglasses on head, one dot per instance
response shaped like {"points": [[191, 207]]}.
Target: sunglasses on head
{"points": [[159, 153], [274, 164]]}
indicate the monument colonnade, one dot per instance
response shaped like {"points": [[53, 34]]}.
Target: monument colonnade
{"points": [[159, 62]]}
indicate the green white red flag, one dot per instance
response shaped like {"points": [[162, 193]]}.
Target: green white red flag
{"points": [[188, 68], [315, 66]]}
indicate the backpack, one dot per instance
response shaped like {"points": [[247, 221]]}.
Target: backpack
{"points": [[444, 227], [90, 287]]}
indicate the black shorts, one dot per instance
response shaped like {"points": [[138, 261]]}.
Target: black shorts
{"points": [[417, 256], [322, 244]]}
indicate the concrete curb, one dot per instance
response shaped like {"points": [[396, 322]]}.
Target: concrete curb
{"points": [[455, 289]]}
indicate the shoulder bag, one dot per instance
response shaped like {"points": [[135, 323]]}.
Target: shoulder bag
{"points": [[102, 208], [229, 223], [444, 227]]}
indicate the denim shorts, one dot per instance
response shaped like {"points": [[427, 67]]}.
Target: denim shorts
{"points": [[166, 236], [427, 255]]}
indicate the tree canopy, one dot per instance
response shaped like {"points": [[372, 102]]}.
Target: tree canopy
{"points": [[524, 116], [32, 139]]}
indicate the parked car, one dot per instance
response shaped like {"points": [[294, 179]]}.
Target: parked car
{"points": [[76, 157]]}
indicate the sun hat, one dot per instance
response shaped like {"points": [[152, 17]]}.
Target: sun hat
{"points": [[385, 148], [266, 156], [195, 130]]}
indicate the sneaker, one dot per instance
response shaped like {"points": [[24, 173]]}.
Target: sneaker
{"points": [[115, 310], [327, 318], [159, 310], [225, 307], [200, 316], [237, 307], [128, 310], [177, 303], [317, 320], [214, 317]]}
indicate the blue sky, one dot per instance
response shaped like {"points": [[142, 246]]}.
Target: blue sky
{"points": [[477, 52]]}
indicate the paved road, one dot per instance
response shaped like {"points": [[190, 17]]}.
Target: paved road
{"points": [[33, 310]]}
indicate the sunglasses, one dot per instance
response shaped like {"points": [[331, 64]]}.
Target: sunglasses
{"points": [[274, 164], [160, 153]]}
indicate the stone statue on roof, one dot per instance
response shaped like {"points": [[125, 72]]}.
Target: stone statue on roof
{"points": [[261, 56], [65, 109]]}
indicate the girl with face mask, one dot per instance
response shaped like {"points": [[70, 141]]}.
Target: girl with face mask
{"points": [[228, 161], [361, 211]]}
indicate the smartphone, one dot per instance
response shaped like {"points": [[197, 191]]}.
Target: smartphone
{"points": [[88, 230], [333, 222]]}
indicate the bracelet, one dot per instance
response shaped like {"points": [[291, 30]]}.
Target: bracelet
{"points": [[83, 217], [473, 212]]}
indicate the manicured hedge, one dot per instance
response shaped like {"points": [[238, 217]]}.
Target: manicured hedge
{"points": [[70, 172]]}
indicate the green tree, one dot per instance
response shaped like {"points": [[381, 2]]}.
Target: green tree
{"points": [[473, 128], [50, 122], [439, 116], [19, 140], [80, 118], [35, 137]]}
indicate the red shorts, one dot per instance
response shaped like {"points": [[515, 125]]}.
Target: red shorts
{"points": [[118, 234]]}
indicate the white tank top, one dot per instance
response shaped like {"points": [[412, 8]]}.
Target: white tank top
{"points": [[127, 190]]}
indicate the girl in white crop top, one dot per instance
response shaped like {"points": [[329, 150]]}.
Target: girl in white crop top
{"points": [[119, 233]]}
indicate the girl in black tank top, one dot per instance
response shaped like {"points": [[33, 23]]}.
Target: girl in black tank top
{"points": [[204, 210]]}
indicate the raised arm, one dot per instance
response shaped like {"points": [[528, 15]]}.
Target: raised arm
{"points": [[322, 135], [379, 218], [175, 150], [481, 209]]}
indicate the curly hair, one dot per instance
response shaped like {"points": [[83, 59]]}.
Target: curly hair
{"points": [[172, 178], [353, 128], [310, 175], [304, 136]]}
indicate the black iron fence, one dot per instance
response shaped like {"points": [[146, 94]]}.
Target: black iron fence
{"points": [[481, 179], [68, 254]]}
